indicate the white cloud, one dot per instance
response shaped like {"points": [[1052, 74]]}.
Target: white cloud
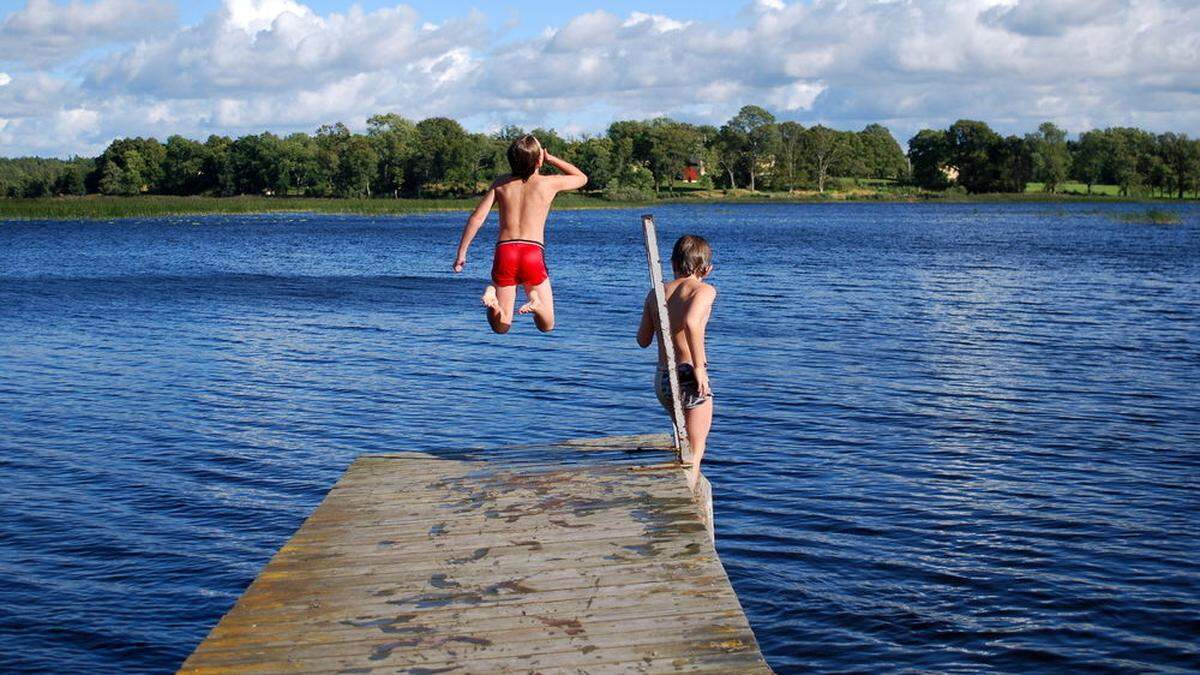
{"points": [[253, 16], [45, 32], [795, 96], [76, 122], [656, 22], [33, 94], [280, 65], [62, 133], [267, 48], [1045, 18], [5, 78]]}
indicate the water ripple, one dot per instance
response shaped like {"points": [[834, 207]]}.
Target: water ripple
{"points": [[948, 438]]}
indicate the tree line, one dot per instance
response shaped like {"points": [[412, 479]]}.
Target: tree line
{"points": [[436, 157], [971, 155]]}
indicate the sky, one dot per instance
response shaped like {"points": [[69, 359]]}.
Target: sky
{"points": [[75, 74]]}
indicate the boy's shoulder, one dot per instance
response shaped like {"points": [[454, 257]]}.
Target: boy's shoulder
{"points": [[687, 292]]}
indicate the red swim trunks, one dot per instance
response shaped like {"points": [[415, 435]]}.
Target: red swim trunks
{"points": [[519, 261]]}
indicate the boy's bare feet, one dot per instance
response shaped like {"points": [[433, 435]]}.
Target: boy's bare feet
{"points": [[489, 298], [693, 477], [535, 302]]}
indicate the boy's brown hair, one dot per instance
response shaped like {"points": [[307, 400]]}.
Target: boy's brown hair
{"points": [[523, 156], [691, 255]]}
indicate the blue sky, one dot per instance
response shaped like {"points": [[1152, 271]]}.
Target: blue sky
{"points": [[74, 74], [529, 18]]}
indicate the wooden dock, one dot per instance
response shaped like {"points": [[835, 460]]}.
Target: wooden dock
{"points": [[423, 564]]}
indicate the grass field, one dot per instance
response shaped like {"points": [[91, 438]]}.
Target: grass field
{"points": [[147, 206], [1102, 190], [1076, 188], [96, 207]]}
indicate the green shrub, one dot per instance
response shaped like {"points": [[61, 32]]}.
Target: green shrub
{"points": [[628, 193]]}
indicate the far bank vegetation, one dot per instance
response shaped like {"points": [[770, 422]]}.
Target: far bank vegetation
{"points": [[752, 154]]}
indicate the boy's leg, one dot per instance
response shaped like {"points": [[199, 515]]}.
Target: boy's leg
{"points": [[541, 305], [698, 421], [499, 303]]}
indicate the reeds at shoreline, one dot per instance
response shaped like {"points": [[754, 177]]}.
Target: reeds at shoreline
{"points": [[95, 207]]}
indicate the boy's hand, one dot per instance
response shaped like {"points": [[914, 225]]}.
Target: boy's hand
{"points": [[702, 381], [459, 261]]}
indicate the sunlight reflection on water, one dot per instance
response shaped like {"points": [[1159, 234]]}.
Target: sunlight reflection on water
{"points": [[947, 437]]}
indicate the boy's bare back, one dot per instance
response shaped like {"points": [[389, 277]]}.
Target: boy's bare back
{"points": [[525, 204], [689, 305]]}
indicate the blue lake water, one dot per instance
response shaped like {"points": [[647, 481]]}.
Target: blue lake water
{"points": [[947, 437]]}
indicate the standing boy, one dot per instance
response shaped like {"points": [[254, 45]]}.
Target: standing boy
{"points": [[524, 198], [689, 305]]}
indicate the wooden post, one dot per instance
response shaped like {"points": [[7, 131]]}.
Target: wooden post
{"points": [[683, 451]]}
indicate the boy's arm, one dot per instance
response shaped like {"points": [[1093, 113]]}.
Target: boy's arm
{"points": [[645, 334], [694, 326], [571, 179], [474, 222]]}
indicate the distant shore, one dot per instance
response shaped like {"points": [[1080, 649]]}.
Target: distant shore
{"points": [[148, 206]]}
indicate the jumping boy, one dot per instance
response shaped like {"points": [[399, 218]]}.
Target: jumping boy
{"points": [[524, 196], [689, 304]]}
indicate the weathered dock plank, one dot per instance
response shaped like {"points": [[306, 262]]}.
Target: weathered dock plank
{"points": [[423, 564]]}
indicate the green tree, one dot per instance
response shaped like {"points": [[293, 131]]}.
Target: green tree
{"points": [[593, 156], [928, 153], [349, 160], [630, 153], [123, 174], [1051, 158], [789, 162], [1128, 158], [758, 138], [392, 138], [671, 146], [853, 160], [131, 165], [217, 173], [1180, 158], [330, 140], [726, 147], [971, 145], [1087, 161], [1011, 165], [442, 155], [357, 166], [257, 164], [72, 179], [491, 159], [183, 167], [822, 147], [509, 133], [301, 166], [882, 154]]}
